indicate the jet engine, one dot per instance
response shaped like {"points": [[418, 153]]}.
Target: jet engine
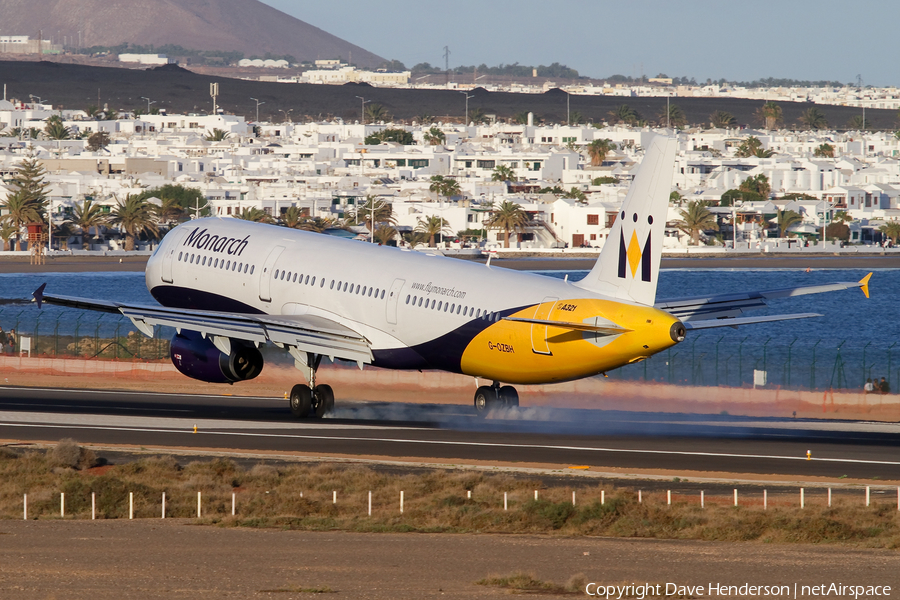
{"points": [[198, 358]]}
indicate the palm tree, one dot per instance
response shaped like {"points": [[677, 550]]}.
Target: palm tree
{"points": [[415, 238], [443, 186], [292, 217], [858, 123], [575, 194], [379, 211], [424, 117], [384, 234], [695, 219], [503, 173], [624, 114], [431, 227], [217, 135], [434, 136], [521, 118], [824, 151], [87, 215], [575, 118], [722, 119], [56, 130], [62, 233], [316, 224], [508, 217], [255, 214], [891, 230], [770, 115], [753, 147], [813, 118], [7, 231], [785, 219], [675, 114], [170, 211], [97, 141], [375, 113], [477, 116], [598, 149], [20, 210], [26, 200], [135, 216], [758, 184]]}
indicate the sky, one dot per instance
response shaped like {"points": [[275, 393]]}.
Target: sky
{"points": [[731, 39]]}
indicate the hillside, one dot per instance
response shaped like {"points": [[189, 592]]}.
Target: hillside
{"points": [[247, 26], [180, 90]]}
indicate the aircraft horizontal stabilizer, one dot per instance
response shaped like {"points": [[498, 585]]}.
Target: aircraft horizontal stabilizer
{"points": [[734, 322]]}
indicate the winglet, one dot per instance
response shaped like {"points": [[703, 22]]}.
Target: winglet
{"points": [[864, 284], [39, 295]]}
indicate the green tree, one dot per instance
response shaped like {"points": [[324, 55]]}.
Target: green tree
{"points": [[415, 238], [603, 180], [675, 114], [675, 198], [92, 112], [770, 115], [97, 141], [292, 217], [598, 149], [217, 135], [696, 219], [508, 217], [624, 114], [432, 226], [255, 214], [857, 123], [87, 215], [758, 184], [444, 186], [575, 118], [891, 230], [576, 194], [434, 136], [27, 197], [721, 119], [400, 136], [375, 113], [477, 116], [190, 199], [503, 173], [134, 216], [813, 118], [786, 219], [384, 234], [170, 211], [424, 117], [824, 151], [317, 224], [752, 146], [520, 118], [738, 196], [380, 211], [56, 130]]}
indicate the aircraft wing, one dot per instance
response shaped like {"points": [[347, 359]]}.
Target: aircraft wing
{"points": [[306, 333], [729, 307]]}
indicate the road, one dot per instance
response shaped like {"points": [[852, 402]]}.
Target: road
{"points": [[440, 433]]}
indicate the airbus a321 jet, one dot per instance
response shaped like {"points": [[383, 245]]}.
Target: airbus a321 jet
{"points": [[228, 286]]}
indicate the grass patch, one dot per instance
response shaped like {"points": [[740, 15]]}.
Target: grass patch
{"points": [[299, 497], [524, 583]]}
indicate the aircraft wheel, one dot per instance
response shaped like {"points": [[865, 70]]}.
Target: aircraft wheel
{"points": [[324, 400], [301, 401], [509, 397], [485, 400]]}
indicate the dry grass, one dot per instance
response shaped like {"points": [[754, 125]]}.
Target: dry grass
{"points": [[300, 497], [526, 583]]}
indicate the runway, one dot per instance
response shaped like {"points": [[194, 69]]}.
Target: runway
{"points": [[442, 433]]}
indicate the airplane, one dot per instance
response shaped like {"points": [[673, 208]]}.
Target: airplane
{"points": [[228, 286]]}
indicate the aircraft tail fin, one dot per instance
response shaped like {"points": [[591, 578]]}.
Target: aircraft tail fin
{"points": [[628, 266]]}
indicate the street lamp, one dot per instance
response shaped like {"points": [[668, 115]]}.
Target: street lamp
{"points": [[362, 110], [148, 103], [286, 113], [466, 117], [257, 108]]}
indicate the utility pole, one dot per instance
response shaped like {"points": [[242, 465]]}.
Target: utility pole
{"points": [[362, 110], [214, 92], [257, 108], [447, 62], [466, 117]]}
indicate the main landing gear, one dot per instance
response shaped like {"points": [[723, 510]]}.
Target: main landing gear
{"points": [[311, 400], [490, 397]]}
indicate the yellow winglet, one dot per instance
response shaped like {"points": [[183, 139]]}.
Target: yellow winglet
{"points": [[864, 284]]}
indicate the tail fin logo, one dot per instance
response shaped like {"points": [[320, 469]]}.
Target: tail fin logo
{"points": [[632, 257]]}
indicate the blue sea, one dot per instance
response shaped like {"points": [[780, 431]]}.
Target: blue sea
{"points": [[855, 339]]}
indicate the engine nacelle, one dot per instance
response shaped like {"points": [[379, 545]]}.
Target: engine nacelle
{"points": [[198, 358]]}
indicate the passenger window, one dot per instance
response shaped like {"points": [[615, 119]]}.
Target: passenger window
{"points": [[179, 255], [364, 291], [345, 286], [433, 302], [407, 298], [382, 294], [452, 307], [357, 289], [370, 292], [439, 305], [322, 284], [216, 264], [458, 309], [295, 279], [479, 313], [313, 280], [332, 285], [420, 302], [252, 268], [276, 273], [203, 262]]}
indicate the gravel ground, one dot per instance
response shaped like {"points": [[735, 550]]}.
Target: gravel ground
{"points": [[176, 559]]}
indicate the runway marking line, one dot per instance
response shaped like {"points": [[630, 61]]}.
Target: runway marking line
{"points": [[459, 443]]}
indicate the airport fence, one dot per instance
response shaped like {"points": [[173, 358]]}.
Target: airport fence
{"points": [[704, 359]]}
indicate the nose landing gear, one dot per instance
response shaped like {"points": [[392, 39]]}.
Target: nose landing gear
{"points": [[487, 398]]}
